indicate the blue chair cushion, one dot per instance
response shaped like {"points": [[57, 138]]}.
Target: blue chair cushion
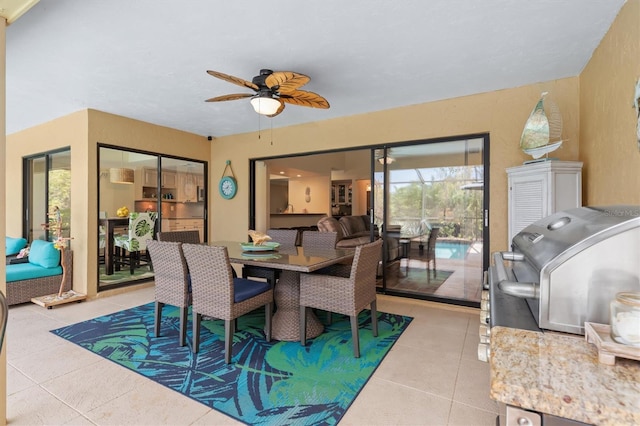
{"points": [[43, 253], [244, 289], [29, 271], [14, 245]]}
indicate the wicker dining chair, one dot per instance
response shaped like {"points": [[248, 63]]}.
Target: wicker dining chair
{"points": [[316, 240], [171, 282], [190, 236], [287, 239], [347, 296], [217, 294]]}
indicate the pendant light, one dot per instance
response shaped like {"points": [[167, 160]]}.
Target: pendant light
{"points": [[121, 174]]}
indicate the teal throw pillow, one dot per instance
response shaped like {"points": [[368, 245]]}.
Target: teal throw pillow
{"points": [[14, 245], [43, 253]]}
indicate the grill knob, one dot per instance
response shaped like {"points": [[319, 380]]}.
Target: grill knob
{"points": [[484, 317], [484, 331], [484, 352], [484, 295], [484, 305]]}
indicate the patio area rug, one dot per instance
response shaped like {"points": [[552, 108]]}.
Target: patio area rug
{"points": [[266, 383]]}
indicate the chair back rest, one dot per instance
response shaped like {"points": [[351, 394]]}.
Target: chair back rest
{"points": [[433, 236], [170, 272], [365, 265], [316, 240], [211, 277], [191, 236], [286, 237], [141, 229], [4, 317]]}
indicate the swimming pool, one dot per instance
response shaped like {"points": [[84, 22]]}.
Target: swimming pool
{"points": [[452, 250]]}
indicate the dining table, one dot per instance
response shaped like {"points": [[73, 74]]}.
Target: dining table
{"points": [[110, 224], [290, 262]]}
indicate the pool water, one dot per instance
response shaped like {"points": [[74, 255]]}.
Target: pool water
{"points": [[451, 250]]}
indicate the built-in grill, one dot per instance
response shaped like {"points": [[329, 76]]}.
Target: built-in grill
{"points": [[563, 270]]}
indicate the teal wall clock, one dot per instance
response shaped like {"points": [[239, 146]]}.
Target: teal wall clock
{"points": [[228, 185]]}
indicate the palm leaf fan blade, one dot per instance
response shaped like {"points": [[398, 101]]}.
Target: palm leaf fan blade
{"points": [[286, 81], [235, 80], [304, 98], [231, 97]]}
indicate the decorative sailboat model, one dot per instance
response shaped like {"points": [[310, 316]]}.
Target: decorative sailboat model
{"points": [[542, 132]]}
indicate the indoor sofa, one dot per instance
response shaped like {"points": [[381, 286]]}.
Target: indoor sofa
{"points": [[353, 231], [38, 275]]}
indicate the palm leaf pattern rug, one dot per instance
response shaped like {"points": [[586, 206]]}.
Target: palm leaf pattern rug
{"points": [[266, 383]]}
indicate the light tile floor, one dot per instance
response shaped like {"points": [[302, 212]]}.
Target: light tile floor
{"points": [[430, 377]]}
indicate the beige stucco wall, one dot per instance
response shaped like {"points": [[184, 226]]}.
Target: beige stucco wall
{"points": [[608, 143], [501, 113], [82, 131], [3, 142], [68, 131]]}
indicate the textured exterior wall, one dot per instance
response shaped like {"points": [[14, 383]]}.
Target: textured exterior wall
{"points": [[502, 113], [608, 145]]}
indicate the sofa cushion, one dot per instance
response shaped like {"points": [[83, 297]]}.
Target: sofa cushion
{"points": [[330, 224], [353, 242], [352, 225], [14, 245], [29, 271], [44, 254]]}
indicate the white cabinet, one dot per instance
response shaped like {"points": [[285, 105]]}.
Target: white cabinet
{"points": [[538, 190], [188, 184], [169, 179]]}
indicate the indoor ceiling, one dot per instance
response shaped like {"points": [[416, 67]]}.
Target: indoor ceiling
{"points": [[147, 60]]}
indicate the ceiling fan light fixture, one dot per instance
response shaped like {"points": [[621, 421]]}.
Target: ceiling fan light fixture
{"points": [[265, 105]]}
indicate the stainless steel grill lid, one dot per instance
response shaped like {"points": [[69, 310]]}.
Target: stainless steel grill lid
{"points": [[571, 229]]}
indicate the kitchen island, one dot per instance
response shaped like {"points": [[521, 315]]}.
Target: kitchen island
{"points": [[291, 220], [559, 374]]}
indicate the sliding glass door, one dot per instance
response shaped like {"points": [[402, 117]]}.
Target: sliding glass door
{"points": [[426, 199], [171, 190], [434, 200], [47, 183]]}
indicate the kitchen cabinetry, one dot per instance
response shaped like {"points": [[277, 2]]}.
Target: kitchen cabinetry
{"points": [[341, 197], [538, 190], [150, 178], [188, 184], [146, 183]]}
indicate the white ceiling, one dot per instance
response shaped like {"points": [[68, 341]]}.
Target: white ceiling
{"points": [[147, 59]]}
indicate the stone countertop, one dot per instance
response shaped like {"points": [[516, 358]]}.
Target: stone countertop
{"points": [[559, 374]]}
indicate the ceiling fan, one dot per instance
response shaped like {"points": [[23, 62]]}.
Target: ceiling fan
{"points": [[273, 89]]}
